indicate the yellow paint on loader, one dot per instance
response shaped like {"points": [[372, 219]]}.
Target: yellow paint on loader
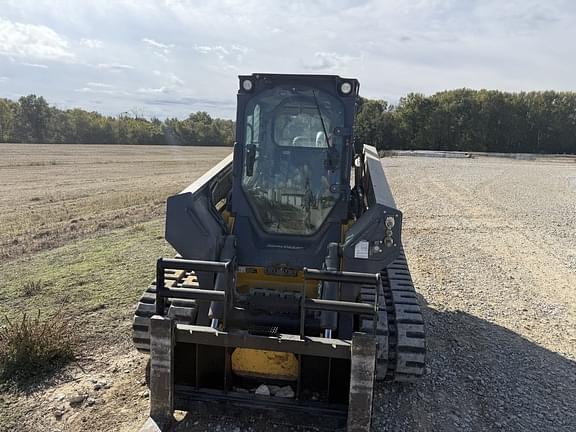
{"points": [[256, 277], [269, 364], [265, 364]]}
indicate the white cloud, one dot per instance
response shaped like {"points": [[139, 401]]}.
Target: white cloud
{"points": [[99, 85], [3, 79], [35, 65], [176, 81], [229, 53], [91, 43], [116, 67], [239, 49], [100, 90], [159, 49], [171, 78], [32, 41], [327, 61], [158, 90], [170, 81], [156, 44], [202, 49], [219, 50], [96, 87]]}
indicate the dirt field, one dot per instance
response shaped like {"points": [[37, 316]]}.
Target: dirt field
{"points": [[491, 244]]}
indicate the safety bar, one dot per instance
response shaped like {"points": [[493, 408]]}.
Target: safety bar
{"points": [[195, 294], [191, 293], [342, 276], [336, 305], [227, 267], [194, 265]]}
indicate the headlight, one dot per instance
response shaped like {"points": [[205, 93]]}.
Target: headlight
{"points": [[247, 85], [345, 87]]}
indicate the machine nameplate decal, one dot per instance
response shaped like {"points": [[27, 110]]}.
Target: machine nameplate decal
{"points": [[361, 249]]}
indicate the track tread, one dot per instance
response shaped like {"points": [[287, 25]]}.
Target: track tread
{"points": [[408, 322], [182, 310], [403, 357]]}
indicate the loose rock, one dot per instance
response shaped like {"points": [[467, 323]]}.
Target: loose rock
{"points": [[77, 399], [262, 390], [285, 392], [274, 389]]}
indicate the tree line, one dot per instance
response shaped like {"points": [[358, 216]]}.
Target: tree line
{"points": [[32, 120], [472, 120], [457, 120]]}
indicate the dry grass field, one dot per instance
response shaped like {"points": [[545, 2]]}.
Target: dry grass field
{"points": [[51, 195], [76, 220], [491, 243]]}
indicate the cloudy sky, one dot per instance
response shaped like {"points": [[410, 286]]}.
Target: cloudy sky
{"points": [[171, 57]]}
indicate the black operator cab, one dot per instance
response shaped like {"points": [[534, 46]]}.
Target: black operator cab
{"points": [[292, 164]]}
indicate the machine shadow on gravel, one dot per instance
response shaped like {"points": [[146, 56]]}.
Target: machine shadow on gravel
{"points": [[480, 377]]}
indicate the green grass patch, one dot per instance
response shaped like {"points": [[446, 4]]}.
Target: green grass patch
{"points": [[106, 272]]}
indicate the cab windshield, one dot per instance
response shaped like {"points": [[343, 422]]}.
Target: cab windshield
{"points": [[291, 166]]}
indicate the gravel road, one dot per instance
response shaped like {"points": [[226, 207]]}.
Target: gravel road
{"points": [[492, 249]]}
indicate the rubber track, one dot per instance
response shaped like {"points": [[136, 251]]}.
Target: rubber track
{"points": [[182, 310], [402, 348]]}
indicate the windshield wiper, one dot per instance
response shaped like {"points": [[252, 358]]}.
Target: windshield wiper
{"points": [[331, 161], [321, 119]]}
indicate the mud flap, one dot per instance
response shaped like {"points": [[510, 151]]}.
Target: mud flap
{"points": [[363, 364]]}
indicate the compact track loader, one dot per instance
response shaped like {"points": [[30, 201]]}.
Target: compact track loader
{"points": [[290, 289]]}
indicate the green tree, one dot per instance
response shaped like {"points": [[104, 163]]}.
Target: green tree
{"points": [[374, 124], [7, 120], [461, 119], [33, 119]]}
